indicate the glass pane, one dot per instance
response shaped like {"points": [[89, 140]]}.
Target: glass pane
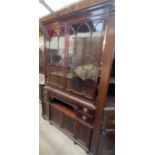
{"points": [[41, 54], [53, 49], [40, 61], [84, 57], [71, 61], [55, 58], [96, 39]]}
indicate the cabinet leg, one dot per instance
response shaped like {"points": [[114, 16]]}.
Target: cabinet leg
{"points": [[43, 117], [87, 152]]}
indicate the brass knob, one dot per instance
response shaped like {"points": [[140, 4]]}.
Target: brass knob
{"points": [[84, 118], [85, 109]]}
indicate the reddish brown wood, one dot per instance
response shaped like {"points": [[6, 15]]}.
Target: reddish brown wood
{"points": [[42, 57], [83, 19], [77, 115], [75, 7], [65, 118], [104, 83], [70, 97], [64, 110]]}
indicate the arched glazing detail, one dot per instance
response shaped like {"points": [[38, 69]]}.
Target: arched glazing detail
{"points": [[83, 62], [71, 52], [52, 48], [55, 58]]}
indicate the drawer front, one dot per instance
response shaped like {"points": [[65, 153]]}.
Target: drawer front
{"points": [[85, 118], [86, 111]]}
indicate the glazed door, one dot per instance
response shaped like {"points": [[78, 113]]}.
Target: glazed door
{"points": [[41, 55], [55, 45], [84, 51]]}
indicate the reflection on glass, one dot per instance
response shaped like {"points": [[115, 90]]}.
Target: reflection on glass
{"points": [[83, 57], [41, 54], [55, 56], [40, 61]]}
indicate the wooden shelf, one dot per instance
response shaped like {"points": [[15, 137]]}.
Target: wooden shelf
{"points": [[64, 109], [108, 131], [110, 104]]}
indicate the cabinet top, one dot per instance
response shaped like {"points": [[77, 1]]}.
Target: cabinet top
{"points": [[81, 7]]}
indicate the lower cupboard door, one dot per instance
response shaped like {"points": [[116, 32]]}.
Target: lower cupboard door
{"points": [[84, 134], [57, 117], [69, 125]]}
